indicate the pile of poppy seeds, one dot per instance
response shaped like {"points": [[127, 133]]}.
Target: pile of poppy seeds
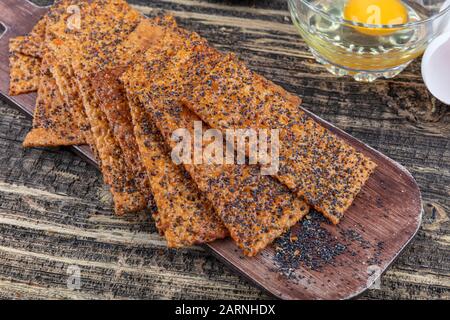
{"points": [[308, 245]]}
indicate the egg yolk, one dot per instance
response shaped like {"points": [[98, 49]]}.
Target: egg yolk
{"points": [[381, 12]]}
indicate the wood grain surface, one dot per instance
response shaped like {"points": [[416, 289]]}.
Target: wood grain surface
{"points": [[324, 261], [71, 221]]}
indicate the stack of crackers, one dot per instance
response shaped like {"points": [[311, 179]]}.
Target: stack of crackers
{"points": [[108, 77]]}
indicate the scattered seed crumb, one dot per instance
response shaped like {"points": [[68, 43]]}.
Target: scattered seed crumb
{"points": [[307, 245]]}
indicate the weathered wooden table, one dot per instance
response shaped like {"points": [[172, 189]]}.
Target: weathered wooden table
{"points": [[56, 214]]}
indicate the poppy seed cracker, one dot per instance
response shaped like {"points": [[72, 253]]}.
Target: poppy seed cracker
{"points": [[314, 163]]}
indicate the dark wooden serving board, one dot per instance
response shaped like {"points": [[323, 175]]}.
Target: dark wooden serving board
{"points": [[381, 222]]}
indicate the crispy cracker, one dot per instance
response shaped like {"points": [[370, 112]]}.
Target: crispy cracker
{"points": [[314, 163], [31, 44], [53, 124], [23, 45], [112, 96], [25, 54], [255, 208], [114, 104], [148, 33], [24, 73], [105, 24], [62, 70], [127, 196], [52, 121], [69, 90], [184, 214]]}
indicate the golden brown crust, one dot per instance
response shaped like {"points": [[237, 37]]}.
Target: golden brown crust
{"points": [[52, 121], [256, 209], [22, 45], [114, 167], [46, 138], [34, 44], [25, 59], [105, 24], [114, 104], [148, 33], [112, 96], [64, 78], [63, 72], [24, 73], [53, 124], [31, 44], [184, 214], [314, 163]]}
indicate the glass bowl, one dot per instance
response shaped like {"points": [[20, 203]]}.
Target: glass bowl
{"points": [[367, 51]]}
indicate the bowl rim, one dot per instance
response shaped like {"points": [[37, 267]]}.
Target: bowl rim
{"points": [[372, 26]]}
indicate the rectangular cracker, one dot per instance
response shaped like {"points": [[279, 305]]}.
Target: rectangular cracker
{"points": [[104, 25], [63, 72], [184, 215], [314, 163], [53, 124], [127, 196], [112, 96], [148, 33], [69, 90], [25, 54], [256, 209], [52, 121], [23, 73], [113, 102], [31, 44], [23, 45]]}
